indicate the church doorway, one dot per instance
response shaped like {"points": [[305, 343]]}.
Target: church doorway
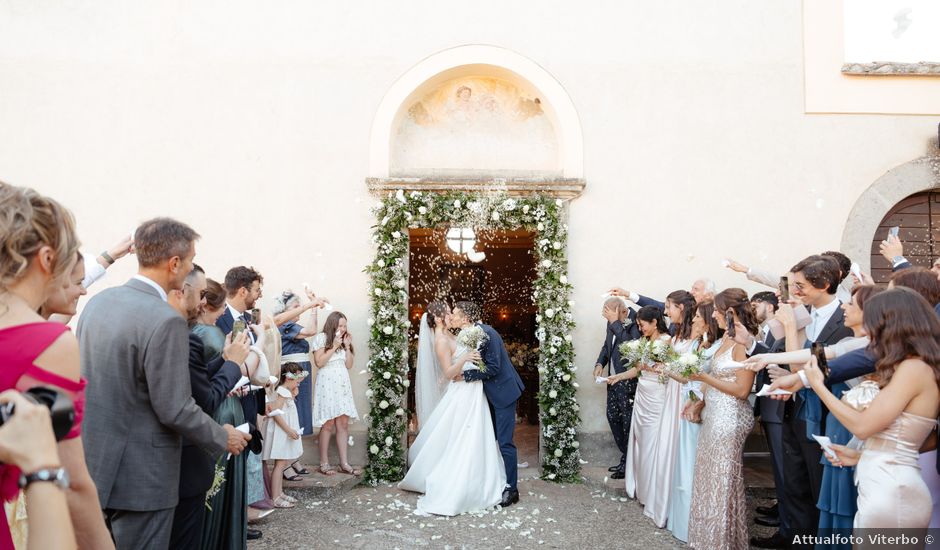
{"points": [[495, 269]]}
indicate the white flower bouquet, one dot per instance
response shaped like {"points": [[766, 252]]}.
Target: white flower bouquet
{"points": [[473, 338], [633, 352], [660, 351], [637, 353]]}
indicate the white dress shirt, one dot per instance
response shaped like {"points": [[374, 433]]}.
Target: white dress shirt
{"points": [[150, 282], [235, 313], [819, 317], [93, 271]]}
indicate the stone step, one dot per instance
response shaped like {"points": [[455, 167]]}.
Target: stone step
{"points": [[318, 486]]}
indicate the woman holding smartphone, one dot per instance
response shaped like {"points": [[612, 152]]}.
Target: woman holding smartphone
{"points": [[333, 403], [718, 518]]}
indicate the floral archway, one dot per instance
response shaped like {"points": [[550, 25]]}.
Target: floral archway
{"points": [[389, 323]]}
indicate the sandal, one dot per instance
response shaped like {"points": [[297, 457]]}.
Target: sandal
{"points": [[288, 498], [281, 502], [299, 469], [347, 469], [291, 478], [327, 470]]}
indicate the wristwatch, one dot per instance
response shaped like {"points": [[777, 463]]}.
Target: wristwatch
{"points": [[898, 259], [57, 476]]}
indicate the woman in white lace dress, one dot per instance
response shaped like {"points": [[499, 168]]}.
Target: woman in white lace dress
{"points": [[333, 403]]}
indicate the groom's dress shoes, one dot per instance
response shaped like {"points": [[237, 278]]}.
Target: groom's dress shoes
{"points": [[619, 474], [510, 497], [613, 468]]}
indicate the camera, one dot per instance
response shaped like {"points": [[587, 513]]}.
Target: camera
{"points": [[60, 407]]}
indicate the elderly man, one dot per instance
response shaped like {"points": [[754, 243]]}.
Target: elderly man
{"points": [[703, 290], [621, 327]]}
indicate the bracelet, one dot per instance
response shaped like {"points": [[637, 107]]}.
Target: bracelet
{"points": [[107, 257], [803, 378]]}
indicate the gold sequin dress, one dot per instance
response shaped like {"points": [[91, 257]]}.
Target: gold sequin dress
{"points": [[718, 518]]}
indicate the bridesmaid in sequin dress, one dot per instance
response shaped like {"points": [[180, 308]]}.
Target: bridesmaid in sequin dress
{"points": [[894, 414], [718, 518]]}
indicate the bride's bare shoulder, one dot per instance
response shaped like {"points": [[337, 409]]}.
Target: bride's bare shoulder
{"points": [[445, 340]]}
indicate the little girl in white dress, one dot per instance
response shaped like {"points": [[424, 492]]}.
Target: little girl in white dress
{"points": [[282, 433]]}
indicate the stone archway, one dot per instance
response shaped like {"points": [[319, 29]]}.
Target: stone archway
{"points": [[922, 174]]}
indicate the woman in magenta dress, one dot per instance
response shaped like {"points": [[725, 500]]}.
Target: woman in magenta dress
{"points": [[38, 250]]}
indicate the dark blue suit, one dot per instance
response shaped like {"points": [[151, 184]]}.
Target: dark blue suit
{"points": [[802, 467], [254, 401], [647, 301], [502, 386]]}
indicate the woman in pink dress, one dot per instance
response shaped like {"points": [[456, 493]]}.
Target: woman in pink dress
{"points": [[38, 250]]}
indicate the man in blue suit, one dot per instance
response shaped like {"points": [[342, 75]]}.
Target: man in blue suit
{"points": [[502, 386]]}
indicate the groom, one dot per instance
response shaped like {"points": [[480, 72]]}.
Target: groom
{"points": [[502, 387]]}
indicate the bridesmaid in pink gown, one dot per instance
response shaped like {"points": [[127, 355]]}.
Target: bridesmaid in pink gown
{"points": [[38, 250], [894, 413]]}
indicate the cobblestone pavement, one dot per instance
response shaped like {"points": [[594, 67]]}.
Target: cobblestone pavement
{"points": [[592, 515], [548, 516]]}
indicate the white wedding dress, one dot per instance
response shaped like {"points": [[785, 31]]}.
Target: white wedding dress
{"points": [[455, 460]]}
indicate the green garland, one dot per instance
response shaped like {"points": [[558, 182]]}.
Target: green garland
{"points": [[389, 323]]}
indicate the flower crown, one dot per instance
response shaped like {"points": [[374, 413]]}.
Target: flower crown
{"points": [[299, 376]]}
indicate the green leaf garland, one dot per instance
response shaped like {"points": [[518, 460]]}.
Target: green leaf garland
{"points": [[389, 323]]}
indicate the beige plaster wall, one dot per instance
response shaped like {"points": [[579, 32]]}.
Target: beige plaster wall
{"points": [[252, 122]]}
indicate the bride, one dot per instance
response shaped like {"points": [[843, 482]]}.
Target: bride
{"points": [[455, 460]]}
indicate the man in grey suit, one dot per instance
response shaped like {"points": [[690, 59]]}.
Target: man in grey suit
{"points": [[135, 357]]}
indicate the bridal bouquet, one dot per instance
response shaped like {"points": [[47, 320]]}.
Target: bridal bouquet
{"points": [[473, 337]]}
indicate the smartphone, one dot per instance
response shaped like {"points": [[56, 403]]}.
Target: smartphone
{"points": [[238, 328], [819, 351], [856, 270], [894, 231], [729, 319], [784, 289], [255, 316]]}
